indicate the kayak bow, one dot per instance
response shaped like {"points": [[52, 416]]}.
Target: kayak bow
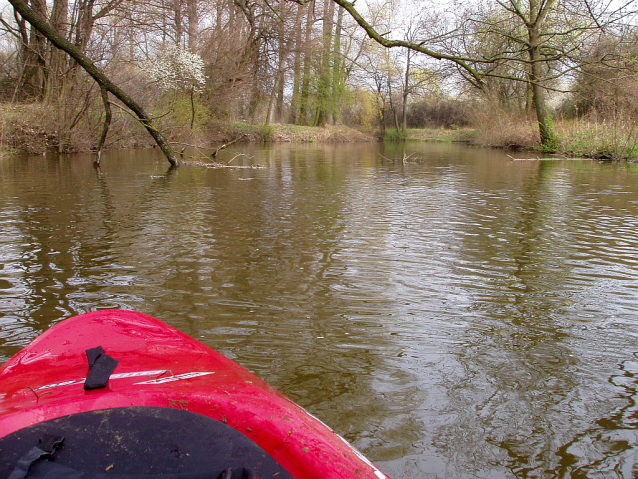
{"points": [[106, 376]]}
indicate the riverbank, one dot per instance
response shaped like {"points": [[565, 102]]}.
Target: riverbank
{"points": [[441, 135], [220, 132], [36, 129], [575, 138]]}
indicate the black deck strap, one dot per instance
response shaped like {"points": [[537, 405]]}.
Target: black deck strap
{"points": [[235, 473], [101, 366], [46, 447], [249, 474], [92, 355]]}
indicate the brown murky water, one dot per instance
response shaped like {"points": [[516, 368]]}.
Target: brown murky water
{"points": [[455, 315]]}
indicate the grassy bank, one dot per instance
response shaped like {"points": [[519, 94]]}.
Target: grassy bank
{"points": [[462, 135], [579, 138], [220, 132], [605, 140], [36, 129]]}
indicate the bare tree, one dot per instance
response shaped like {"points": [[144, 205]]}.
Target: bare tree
{"points": [[45, 29], [551, 33]]}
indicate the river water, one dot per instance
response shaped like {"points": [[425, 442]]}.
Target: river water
{"points": [[453, 312]]}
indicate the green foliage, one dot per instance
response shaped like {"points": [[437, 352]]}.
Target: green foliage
{"points": [[550, 144], [604, 140], [266, 132], [392, 134], [359, 108], [181, 108]]}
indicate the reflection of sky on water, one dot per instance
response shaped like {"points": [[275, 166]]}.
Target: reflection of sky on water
{"points": [[458, 315]]}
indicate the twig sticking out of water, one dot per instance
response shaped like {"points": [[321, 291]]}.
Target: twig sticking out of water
{"points": [[226, 145], [204, 159], [411, 158], [202, 155], [406, 159], [238, 155]]}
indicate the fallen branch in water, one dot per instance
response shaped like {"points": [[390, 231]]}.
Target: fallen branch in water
{"points": [[238, 155], [202, 155], [411, 158], [216, 165], [226, 145], [204, 159]]}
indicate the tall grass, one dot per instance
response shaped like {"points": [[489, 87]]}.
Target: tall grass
{"points": [[614, 137], [500, 129], [36, 128], [610, 139]]}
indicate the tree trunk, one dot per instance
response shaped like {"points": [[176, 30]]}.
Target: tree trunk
{"points": [[271, 106], [102, 80], [324, 88], [296, 70], [193, 25], [105, 125], [34, 68], [280, 77], [307, 61], [548, 139], [84, 25], [406, 92], [337, 73], [395, 116], [381, 108], [57, 58], [177, 19], [276, 99]]}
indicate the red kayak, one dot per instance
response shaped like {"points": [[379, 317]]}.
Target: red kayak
{"points": [[118, 394]]}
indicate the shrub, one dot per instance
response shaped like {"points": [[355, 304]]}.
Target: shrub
{"points": [[497, 128], [438, 113], [392, 134]]}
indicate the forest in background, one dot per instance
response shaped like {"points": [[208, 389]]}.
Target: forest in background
{"points": [[558, 75]]}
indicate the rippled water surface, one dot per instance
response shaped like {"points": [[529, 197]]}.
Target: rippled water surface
{"points": [[458, 314]]}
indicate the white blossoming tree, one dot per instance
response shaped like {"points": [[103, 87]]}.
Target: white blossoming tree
{"points": [[179, 70]]}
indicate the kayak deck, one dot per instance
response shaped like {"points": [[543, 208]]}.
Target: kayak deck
{"points": [[143, 440]]}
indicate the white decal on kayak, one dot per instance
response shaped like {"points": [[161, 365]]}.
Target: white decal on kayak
{"points": [[177, 377], [65, 383], [155, 372], [139, 373]]}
